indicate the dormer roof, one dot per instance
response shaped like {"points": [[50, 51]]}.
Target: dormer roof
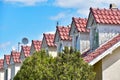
{"points": [[63, 33], [36, 44], [106, 16], [1, 63], [80, 24], [26, 50], [15, 56], [7, 58], [49, 38]]}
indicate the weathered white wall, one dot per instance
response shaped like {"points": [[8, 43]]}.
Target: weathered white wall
{"points": [[17, 67], [12, 71], [106, 32], [64, 43], [9, 72], [53, 51], [1, 74], [111, 66], [84, 41]]}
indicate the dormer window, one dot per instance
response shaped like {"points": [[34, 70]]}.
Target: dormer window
{"points": [[47, 51], [77, 42], [60, 48], [95, 38]]}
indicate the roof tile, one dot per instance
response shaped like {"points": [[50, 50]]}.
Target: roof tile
{"points": [[1, 63], [16, 56], [7, 58], [26, 50], [64, 33], [80, 24], [49, 39], [106, 16], [88, 57], [37, 44]]}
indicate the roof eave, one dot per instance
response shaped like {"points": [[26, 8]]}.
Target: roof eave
{"points": [[109, 51]]}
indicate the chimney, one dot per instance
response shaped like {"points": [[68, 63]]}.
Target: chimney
{"points": [[113, 6]]}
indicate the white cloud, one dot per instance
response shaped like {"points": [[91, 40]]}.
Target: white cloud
{"points": [[25, 2], [83, 3], [4, 45], [82, 6], [58, 16]]}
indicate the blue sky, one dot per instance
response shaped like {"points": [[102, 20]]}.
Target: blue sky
{"points": [[32, 18]]}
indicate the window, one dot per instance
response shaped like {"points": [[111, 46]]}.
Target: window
{"points": [[60, 47], [96, 38], [47, 50], [6, 74], [77, 43]]}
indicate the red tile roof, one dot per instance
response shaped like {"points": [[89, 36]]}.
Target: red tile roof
{"points": [[7, 58], [26, 50], [80, 24], [64, 33], [1, 63], [37, 44], [16, 56], [49, 39], [106, 16], [90, 56]]}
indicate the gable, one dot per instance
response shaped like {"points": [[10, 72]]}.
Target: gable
{"points": [[44, 44], [91, 21], [22, 56], [73, 29], [11, 60], [32, 49], [5, 64], [57, 38]]}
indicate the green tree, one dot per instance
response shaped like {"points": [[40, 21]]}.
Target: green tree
{"points": [[67, 66]]}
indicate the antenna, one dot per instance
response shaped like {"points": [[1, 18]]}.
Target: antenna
{"points": [[57, 23]]}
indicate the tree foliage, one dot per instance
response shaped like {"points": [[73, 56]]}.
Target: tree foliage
{"points": [[67, 66]]}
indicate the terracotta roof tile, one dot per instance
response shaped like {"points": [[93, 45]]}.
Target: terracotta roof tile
{"points": [[1, 63], [106, 16], [16, 56], [7, 57], [64, 33], [26, 50], [49, 39], [80, 24], [88, 57], [37, 44]]}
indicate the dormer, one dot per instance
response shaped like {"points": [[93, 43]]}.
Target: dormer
{"points": [[48, 44], [6, 61], [79, 34], [7, 70], [62, 38], [1, 69], [25, 52], [15, 57], [1, 64], [15, 63], [35, 46], [103, 24]]}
